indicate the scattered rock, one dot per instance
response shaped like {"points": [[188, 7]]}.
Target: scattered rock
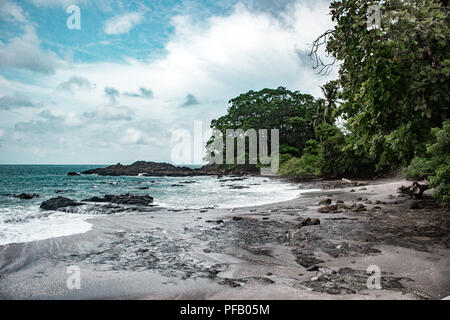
{"points": [[59, 202], [73, 174], [308, 222], [236, 218], [358, 207], [325, 201], [214, 221], [415, 190], [305, 258], [313, 268], [238, 187], [353, 190], [130, 199], [411, 204], [327, 209], [27, 196]]}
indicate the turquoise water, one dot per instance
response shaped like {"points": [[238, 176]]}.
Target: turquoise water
{"points": [[23, 220]]}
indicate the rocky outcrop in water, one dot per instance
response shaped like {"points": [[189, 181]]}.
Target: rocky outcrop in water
{"points": [[27, 196], [165, 169], [130, 199], [58, 203], [143, 168]]}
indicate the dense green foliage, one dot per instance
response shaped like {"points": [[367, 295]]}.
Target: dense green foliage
{"points": [[290, 112], [395, 80], [309, 164], [392, 96], [435, 165]]}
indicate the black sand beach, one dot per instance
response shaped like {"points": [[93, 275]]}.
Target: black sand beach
{"points": [[265, 252]]}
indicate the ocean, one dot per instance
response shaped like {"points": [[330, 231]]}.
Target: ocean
{"points": [[23, 221]]}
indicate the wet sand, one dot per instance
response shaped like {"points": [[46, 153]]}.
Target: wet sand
{"points": [[247, 253]]}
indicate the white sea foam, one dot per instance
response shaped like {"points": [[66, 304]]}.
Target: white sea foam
{"points": [[42, 227], [23, 222]]}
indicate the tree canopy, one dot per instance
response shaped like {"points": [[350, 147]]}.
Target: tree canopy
{"points": [[394, 79]]}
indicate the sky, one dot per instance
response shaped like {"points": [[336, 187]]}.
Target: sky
{"points": [[117, 88]]}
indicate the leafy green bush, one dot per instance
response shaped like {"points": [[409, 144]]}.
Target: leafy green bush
{"points": [[436, 165], [285, 157], [440, 181], [439, 153], [306, 165], [309, 164], [418, 169]]}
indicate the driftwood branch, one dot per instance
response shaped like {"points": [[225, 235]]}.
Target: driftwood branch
{"points": [[322, 67], [415, 190]]}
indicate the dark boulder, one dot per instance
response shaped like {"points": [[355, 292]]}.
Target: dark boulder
{"points": [[130, 199], [73, 174], [27, 196], [325, 201], [415, 190], [59, 202], [238, 187], [308, 222], [358, 207], [333, 208]]}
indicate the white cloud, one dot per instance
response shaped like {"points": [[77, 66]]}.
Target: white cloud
{"points": [[143, 93], [191, 100], [61, 3], [11, 12], [132, 136], [17, 101], [24, 52], [112, 94], [213, 60], [123, 23], [218, 59], [76, 83], [73, 120], [111, 113]]}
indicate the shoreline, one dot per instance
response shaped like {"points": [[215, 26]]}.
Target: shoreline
{"points": [[256, 252]]}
